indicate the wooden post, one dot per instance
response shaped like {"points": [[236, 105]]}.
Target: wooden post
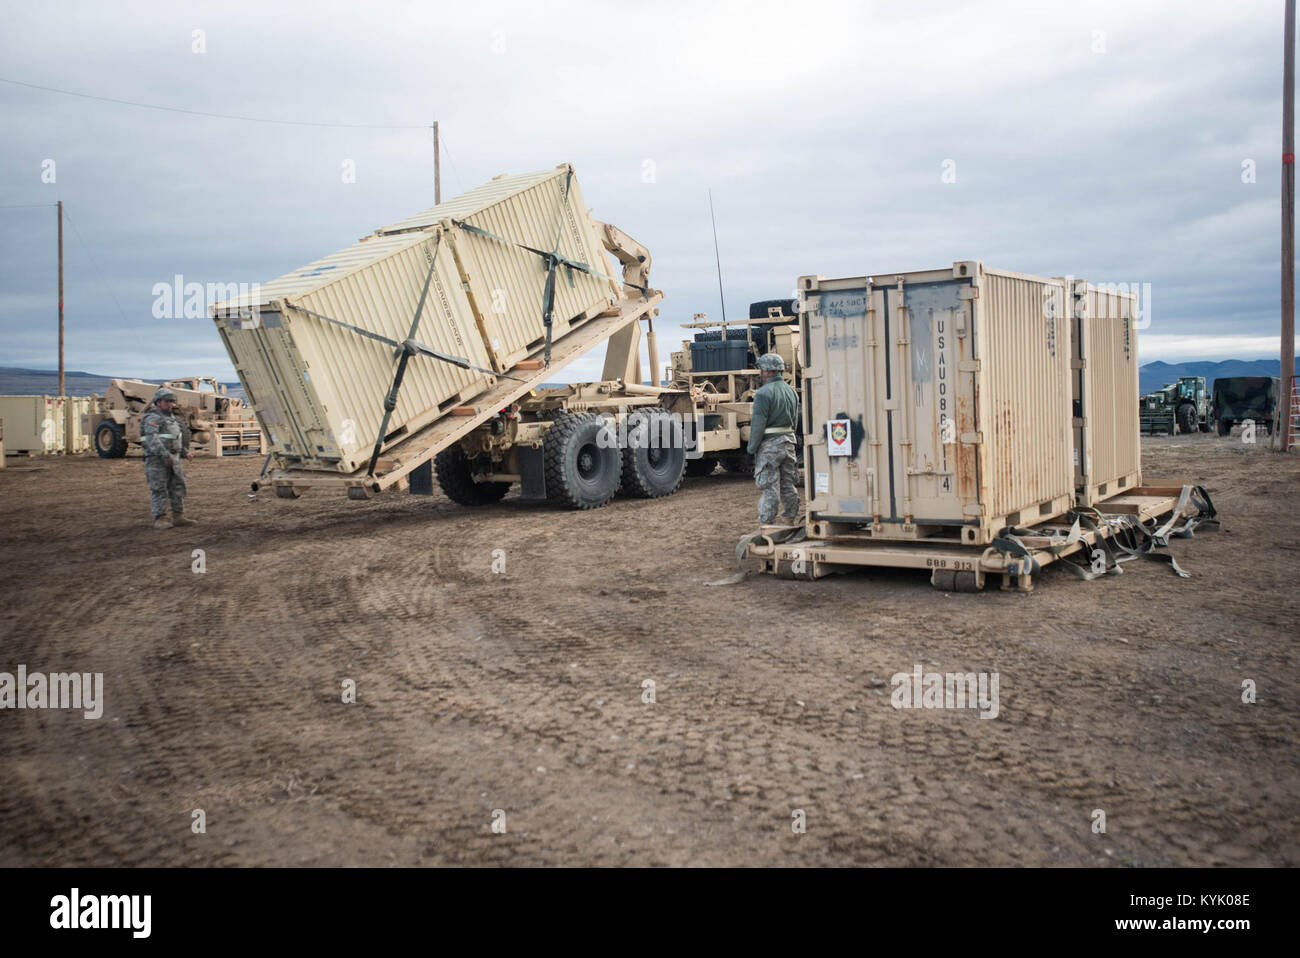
{"points": [[61, 390], [1283, 434], [437, 166]]}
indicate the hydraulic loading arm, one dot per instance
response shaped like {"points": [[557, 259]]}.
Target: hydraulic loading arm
{"points": [[623, 355]]}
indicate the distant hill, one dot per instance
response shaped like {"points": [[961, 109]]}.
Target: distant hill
{"points": [[15, 381], [1153, 376]]}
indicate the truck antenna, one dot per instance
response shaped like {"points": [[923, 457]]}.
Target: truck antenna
{"points": [[717, 258]]}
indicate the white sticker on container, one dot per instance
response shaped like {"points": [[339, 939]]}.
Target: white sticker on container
{"points": [[823, 482], [838, 436]]}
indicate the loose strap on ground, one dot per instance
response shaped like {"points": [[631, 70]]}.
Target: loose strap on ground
{"points": [[787, 536]]}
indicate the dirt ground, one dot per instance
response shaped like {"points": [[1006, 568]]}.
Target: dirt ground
{"points": [[522, 691]]}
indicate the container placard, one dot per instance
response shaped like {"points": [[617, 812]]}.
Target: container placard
{"points": [[838, 437]]}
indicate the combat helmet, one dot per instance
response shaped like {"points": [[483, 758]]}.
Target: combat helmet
{"points": [[771, 362]]}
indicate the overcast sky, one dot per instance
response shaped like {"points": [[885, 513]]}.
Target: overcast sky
{"points": [[1104, 140]]}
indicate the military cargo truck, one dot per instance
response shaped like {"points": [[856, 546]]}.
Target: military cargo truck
{"points": [[419, 353], [1239, 398], [719, 370], [218, 423], [1182, 406]]}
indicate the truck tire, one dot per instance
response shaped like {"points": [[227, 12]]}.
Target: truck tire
{"points": [[758, 310], [654, 466], [1225, 427], [456, 479], [1187, 418], [703, 466], [581, 472], [110, 440]]}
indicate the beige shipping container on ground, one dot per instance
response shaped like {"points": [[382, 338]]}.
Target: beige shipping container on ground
{"points": [[74, 409], [319, 389], [33, 423], [1107, 428], [945, 396]]}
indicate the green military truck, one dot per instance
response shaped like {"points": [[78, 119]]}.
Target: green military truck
{"points": [[1181, 406], [1239, 398]]}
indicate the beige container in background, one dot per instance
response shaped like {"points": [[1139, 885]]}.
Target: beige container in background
{"points": [[952, 391], [1107, 428], [33, 424], [75, 409]]}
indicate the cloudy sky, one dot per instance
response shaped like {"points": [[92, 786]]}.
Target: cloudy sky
{"points": [[1112, 141]]}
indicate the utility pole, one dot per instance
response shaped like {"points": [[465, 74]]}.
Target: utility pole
{"points": [[61, 392], [1283, 434], [437, 166]]}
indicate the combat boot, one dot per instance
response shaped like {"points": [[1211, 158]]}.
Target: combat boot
{"points": [[160, 522], [178, 518]]}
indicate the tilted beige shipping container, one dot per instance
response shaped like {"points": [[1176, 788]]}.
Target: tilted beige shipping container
{"points": [[1107, 427], [945, 395], [33, 423], [319, 389]]}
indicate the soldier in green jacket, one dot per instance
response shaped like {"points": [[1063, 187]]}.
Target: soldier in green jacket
{"points": [[165, 440], [771, 443]]}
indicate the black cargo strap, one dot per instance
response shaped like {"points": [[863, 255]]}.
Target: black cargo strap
{"points": [[1009, 544], [552, 261], [560, 258], [1130, 538], [409, 345], [390, 401]]}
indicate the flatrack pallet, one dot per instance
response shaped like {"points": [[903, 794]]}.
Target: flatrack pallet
{"points": [[952, 566], [399, 460]]}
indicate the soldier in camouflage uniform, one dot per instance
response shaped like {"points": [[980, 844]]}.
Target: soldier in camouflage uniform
{"points": [[165, 440], [771, 442]]}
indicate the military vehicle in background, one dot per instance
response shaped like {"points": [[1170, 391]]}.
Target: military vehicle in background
{"points": [[719, 370], [219, 424], [1239, 398], [1182, 406]]}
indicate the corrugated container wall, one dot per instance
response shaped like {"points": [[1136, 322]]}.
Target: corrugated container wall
{"points": [[33, 423], [319, 389], [945, 398], [1107, 427], [507, 280]]}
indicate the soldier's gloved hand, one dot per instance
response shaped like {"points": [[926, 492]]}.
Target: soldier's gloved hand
{"points": [[187, 454]]}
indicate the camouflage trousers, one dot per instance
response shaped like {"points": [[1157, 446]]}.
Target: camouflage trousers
{"points": [[166, 484], [777, 478]]}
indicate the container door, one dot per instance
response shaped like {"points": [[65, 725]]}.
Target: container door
{"points": [[843, 454], [928, 402]]}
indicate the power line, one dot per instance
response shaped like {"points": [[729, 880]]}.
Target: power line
{"points": [[219, 116], [29, 206], [443, 137], [103, 279]]}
